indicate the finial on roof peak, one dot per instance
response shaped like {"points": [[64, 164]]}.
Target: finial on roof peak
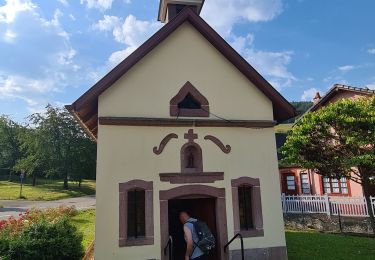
{"points": [[317, 98], [317, 95]]}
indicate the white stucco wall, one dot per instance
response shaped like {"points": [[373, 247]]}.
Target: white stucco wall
{"points": [[125, 153], [145, 91]]}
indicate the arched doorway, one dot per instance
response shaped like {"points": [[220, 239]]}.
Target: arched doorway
{"points": [[213, 202]]}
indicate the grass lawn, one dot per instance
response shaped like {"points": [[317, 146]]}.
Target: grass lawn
{"points": [[47, 190], [312, 245], [85, 222], [301, 245]]}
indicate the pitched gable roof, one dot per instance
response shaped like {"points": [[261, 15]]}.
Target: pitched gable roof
{"points": [[85, 108], [337, 88]]}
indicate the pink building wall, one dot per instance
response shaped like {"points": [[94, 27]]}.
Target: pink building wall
{"points": [[315, 183]]}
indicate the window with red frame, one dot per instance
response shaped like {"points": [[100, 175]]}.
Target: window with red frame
{"points": [[290, 183], [305, 183], [335, 186]]}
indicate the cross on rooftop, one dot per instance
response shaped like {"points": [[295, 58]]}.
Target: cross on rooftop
{"points": [[190, 135]]}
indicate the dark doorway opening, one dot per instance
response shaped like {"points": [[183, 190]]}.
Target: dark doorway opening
{"points": [[202, 209]]}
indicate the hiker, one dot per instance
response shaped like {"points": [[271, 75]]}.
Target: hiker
{"points": [[193, 252]]}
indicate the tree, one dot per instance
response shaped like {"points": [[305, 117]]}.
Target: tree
{"points": [[35, 159], [56, 146], [301, 107], [9, 143], [84, 160], [337, 141]]}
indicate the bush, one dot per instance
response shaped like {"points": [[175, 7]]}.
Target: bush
{"points": [[48, 236], [50, 214], [13, 226]]}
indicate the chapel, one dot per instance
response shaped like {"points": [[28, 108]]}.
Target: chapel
{"points": [[185, 123]]}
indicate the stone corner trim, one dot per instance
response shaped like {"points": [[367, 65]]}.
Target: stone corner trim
{"points": [[198, 177], [124, 187], [268, 253], [256, 205]]}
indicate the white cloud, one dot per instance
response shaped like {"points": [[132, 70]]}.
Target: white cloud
{"points": [[47, 60], [9, 36], [72, 17], [55, 20], [107, 23], [134, 32], [127, 1], [12, 8], [98, 4], [223, 14], [346, 68], [63, 2], [371, 51], [66, 57], [371, 86], [272, 65], [131, 32], [309, 94], [29, 90], [240, 43], [119, 56]]}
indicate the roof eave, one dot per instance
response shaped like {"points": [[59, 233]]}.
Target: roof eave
{"points": [[72, 111], [283, 110]]}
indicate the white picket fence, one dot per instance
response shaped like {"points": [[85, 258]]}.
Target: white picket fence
{"points": [[344, 206]]}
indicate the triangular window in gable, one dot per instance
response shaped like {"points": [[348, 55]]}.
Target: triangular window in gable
{"points": [[189, 102]]}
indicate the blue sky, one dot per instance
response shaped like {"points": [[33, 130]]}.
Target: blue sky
{"points": [[53, 51]]}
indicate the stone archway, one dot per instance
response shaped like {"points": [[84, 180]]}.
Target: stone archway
{"points": [[195, 191]]}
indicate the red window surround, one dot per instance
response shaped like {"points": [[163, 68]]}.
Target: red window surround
{"points": [[335, 187], [124, 189], [290, 185]]}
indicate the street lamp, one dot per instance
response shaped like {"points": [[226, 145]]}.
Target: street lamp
{"points": [[22, 176]]}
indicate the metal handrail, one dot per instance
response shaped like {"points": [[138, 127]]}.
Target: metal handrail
{"points": [[242, 250], [170, 246]]}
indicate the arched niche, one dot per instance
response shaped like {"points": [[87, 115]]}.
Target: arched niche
{"points": [[191, 158]]}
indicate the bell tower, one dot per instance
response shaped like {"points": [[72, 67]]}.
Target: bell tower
{"points": [[168, 9]]}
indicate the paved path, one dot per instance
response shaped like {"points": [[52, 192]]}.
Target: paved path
{"points": [[15, 207]]}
